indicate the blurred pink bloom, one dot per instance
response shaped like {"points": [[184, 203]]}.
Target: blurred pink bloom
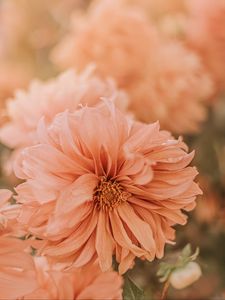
{"points": [[46, 99], [99, 184], [117, 39], [12, 77], [164, 80], [177, 92], [207, 35], [29, 25]]}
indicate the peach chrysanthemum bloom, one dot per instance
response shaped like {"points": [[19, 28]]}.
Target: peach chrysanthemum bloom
{"points": [[121, 46], [99, 184], [118, 39], [206, 34], [46, 99], [165, 82], [75, 284]]}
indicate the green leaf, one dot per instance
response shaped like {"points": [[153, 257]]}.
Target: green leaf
{"points": [[131, 291], [164, 271]]}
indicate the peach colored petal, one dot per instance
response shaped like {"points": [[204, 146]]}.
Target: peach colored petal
{"points": [[17, 274], [77, 193], [104, 243], [140, 229]]}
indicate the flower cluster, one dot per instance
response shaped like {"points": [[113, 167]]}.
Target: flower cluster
{"points": [[165, 80], [98, 184], [102, 179]]}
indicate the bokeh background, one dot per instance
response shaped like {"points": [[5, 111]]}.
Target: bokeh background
{"points": [[30, 32]]}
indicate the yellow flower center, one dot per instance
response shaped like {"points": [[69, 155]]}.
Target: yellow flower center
{"points": [[108, 194]]}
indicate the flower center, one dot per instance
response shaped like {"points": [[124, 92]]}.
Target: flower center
{"points": [[108, 194]]}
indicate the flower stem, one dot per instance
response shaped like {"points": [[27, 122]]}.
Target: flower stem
{"points": [[165, 290]]}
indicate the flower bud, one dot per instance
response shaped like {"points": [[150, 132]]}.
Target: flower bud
{"points": [[183, 277]]}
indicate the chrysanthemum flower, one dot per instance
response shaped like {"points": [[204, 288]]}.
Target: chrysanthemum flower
{"points": [[98, 184], [165, 82], [109, 41], [206, 34], [84, 283], [66, 92], [118, 39]]}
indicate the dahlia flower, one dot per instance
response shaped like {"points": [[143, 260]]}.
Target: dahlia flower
{"points": [[99, 184], [66, 92], [85, 283], [206, 34], [115, 43], [98, 37], [165, 82]]}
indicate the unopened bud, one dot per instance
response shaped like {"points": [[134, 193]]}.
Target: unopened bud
{"points": [[183, 277]]}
